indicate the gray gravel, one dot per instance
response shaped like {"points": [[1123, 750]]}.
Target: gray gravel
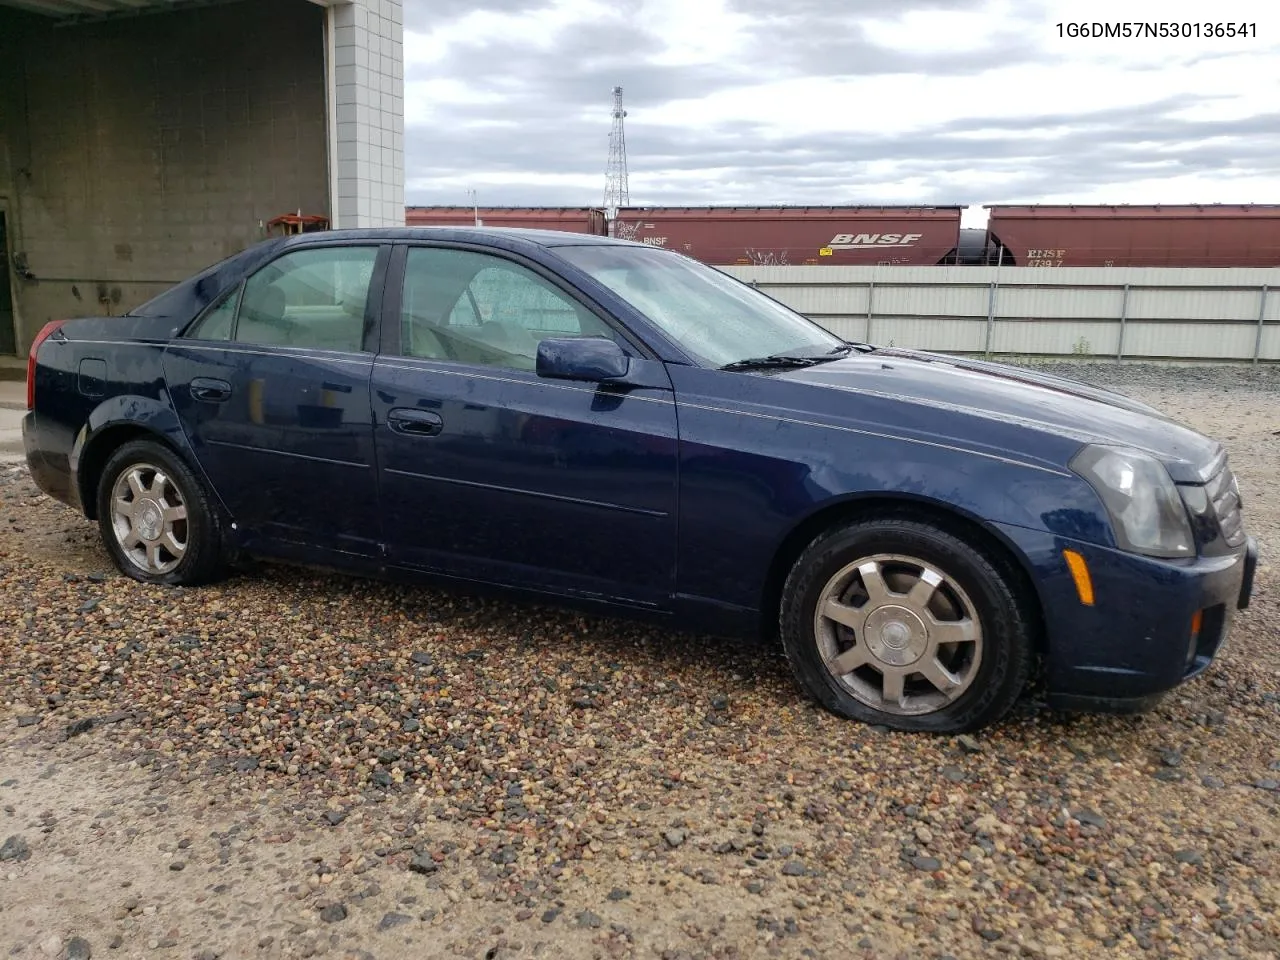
{"points": [[593, 788], [1137, 378]]}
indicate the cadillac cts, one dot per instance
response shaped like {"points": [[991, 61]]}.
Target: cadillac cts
{"points": [[615, 425]]}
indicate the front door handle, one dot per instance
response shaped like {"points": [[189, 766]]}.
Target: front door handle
{"points": [[414, 422], [206, 388]]}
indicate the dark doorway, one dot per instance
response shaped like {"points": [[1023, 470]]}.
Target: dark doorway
{"points": [[8, 336]]}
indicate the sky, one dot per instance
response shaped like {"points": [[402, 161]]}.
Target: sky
{"points": [[832, 102]]}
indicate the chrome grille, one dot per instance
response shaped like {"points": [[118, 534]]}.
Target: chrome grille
{"points": [[1224, 493]]}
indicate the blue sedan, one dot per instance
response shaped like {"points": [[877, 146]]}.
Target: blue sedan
{"points": [[619, 426]]}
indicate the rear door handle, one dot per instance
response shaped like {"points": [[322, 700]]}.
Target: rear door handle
{"points": [[414, 422], [206, 388]]}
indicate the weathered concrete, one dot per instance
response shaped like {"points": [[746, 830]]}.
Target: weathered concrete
{"points": [[136, 152], [13, 406]]}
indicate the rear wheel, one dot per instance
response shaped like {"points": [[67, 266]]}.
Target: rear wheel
{"points": [[155, 517], [899, 623]]}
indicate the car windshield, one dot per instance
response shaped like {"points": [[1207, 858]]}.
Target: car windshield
{"points": [[715, 318]]}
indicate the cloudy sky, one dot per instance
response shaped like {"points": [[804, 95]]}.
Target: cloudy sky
{"points": [[839, 101]]}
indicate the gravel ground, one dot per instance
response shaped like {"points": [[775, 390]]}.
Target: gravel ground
{"points": [[297, 764]]}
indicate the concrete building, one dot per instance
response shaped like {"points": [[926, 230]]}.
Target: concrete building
{"points": [[142, 140]]}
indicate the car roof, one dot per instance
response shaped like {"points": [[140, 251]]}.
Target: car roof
{"points": [[191, 295], [542, 238]]}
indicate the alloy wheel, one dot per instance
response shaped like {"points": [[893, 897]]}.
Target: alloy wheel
{"points": [[149, 518], [898, 634]]}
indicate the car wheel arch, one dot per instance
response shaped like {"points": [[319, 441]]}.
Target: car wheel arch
{"points": [[97, 449], [958, 522]]}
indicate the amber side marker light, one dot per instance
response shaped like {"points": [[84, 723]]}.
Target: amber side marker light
{"points": [[1080, 574], [1196, 620]]}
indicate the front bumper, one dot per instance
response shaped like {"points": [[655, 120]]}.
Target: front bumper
{"points": [[1137, 641]]}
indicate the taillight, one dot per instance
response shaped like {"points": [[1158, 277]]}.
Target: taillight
{"points": [[45, 333]]}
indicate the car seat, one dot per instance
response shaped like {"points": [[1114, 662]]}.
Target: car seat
{"points": [[262, 316]]}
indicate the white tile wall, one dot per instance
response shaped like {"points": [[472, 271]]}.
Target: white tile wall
{"points": [[368, 85]]}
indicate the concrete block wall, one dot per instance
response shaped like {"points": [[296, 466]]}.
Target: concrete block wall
{"points": [[367, 113], [136, 152]]}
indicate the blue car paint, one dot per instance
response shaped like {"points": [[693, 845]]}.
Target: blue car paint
{"points": [[291, 448], [72, 425], [677, 497], [541, 483], [1133, 644], [124, 411], [582, 358], [731, 488], [999, 399]]}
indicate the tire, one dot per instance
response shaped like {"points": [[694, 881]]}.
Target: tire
{"points": [[977, 624], [151, 554]]}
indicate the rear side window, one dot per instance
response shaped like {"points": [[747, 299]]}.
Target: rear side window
{"points": [[312, 298], [218, 323]]}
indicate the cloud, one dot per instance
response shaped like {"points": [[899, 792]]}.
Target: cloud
{"points": [[937, 38], [423, 17], [810, 101]]}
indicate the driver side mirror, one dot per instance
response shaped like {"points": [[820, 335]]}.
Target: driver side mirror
{"points": [[596, 359]]}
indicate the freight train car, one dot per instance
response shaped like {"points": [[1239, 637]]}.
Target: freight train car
{"points": [[1210, 235], [794, 235], [569, 219], [1207, 235]]}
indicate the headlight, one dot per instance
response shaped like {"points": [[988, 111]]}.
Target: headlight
{"points": [[1147, 513]]}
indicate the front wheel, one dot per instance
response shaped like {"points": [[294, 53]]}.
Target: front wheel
{"points": [[155, 518], [898, 623]]}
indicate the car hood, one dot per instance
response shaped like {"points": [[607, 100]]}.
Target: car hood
{"points": [[1057, 405]]}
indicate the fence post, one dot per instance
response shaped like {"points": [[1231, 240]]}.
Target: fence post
{"points": [[871, 291], [1262, 317], [1124, 315], [991, 316]]}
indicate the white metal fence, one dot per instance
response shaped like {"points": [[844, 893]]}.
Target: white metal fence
{"points": [[1134, 313]]}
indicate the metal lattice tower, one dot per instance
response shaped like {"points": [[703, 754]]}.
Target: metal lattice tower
{"points": [[617, 192]]}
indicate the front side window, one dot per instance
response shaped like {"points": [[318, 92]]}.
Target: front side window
{"points": [[312, 298], [715, 318], [479, 308]]}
